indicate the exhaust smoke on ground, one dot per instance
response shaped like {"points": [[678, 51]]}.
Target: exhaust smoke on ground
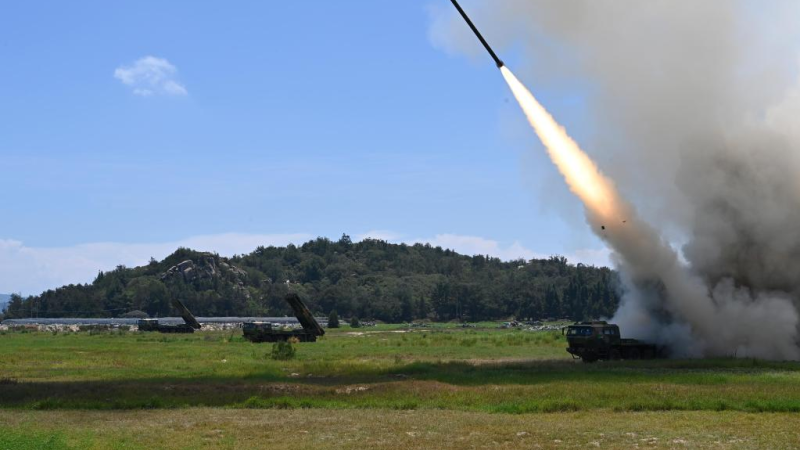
{"points": [[697, 106]]}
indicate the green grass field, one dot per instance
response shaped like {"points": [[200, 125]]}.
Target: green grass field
{"points": [[468, 387]]}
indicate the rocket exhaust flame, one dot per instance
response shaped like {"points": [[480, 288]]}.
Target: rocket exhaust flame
{"points": [[723, 322], [584, 178]]}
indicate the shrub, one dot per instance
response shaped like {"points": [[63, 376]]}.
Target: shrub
{"points": [[354, 323], [135, 314], [282, 351], [469, 342], [333, 320]]}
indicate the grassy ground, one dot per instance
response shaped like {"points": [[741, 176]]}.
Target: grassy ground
{"points": [[460, 387], [108, 356], [215, 428]]}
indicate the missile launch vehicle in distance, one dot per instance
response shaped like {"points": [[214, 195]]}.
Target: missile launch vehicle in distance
{"points": [[267, 332], [592, 341], [189, 326]]}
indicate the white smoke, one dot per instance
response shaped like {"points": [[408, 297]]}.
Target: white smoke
{"points": [[696, 100]]}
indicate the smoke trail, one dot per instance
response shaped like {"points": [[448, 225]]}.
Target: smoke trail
{"points": [[667, 303], [698, 104]]}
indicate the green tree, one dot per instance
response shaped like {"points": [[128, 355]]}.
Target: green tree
{"points": [[443, 303], [345, 241], [15, 307], [147, 294]]}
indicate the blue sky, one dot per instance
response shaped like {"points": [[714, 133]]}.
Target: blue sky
{"points": [[284, 121]]}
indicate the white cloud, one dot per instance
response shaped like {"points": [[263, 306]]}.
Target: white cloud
{"points": [[149, 76]]}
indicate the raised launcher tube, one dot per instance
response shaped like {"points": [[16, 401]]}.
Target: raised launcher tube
{"points": [[187, 315], [304, 316]]}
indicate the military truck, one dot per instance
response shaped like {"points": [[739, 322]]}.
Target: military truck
{"points": [[189, 326], [267, 332], [595, 340]]}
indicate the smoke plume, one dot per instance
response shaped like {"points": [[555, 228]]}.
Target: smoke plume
{"points": [[695, 103]]}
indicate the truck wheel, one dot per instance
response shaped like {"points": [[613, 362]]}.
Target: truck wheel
{"points": [[614, 355], [634, 354]]}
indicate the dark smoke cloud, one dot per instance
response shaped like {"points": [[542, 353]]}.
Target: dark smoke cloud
{"points": [[746, 219], [696, 105]]}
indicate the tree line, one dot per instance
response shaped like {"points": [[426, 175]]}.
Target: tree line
{"points": [[371, 279]]}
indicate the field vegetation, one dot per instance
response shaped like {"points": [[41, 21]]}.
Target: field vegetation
{"points": [[431, 383]]}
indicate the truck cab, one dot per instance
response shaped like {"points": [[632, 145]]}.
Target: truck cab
{"points": [[592, 340], [147, 324]]}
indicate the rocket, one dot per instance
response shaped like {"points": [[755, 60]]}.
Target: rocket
{"points": [[478, 33]]}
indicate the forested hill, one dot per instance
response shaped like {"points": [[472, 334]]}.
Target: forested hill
{"points": [[371, 279]]}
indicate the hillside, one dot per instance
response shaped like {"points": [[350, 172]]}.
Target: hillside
{"points": [[369, 279]]}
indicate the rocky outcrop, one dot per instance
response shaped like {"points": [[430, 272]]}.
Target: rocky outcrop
{"points": [[205, 267], [239, 273], [208, 266]]}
